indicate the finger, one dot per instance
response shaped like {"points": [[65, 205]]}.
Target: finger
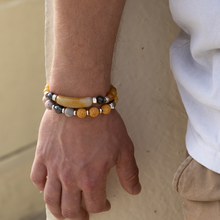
{"points": [[52, 196], [71, 204], [38, 175], [96, 202], [127, 171]]}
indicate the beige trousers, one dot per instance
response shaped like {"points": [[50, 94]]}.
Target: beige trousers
{"points": [[200, 190]]}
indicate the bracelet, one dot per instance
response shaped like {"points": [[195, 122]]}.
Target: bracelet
{"points": [[71, 102], [81, 112]]}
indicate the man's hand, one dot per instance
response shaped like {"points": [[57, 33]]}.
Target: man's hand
{"points": [[73, 159]]}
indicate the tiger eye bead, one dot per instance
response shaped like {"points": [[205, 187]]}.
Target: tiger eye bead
{"points": [[106, 109], [81, 113], [93, 112], [46, 90], [116, 99], [110, 96], [113, 92]]}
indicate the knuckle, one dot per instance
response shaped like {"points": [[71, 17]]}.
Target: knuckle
{"points": [[33, 178], [40, 154], [51, 201], [37, 182], [132, 175], [89, 184], [70, 214], [95, 210], [67, 179]]}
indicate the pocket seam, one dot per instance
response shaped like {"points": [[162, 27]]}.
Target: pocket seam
{"points": [[179, 172]]}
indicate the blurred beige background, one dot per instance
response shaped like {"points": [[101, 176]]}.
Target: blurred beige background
{"points": [[153, 113]]}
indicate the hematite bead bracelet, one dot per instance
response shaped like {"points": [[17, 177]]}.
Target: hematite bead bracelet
{"points": [[85, 102]]}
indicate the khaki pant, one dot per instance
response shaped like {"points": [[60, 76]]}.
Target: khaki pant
{"points": [[200, 190]]}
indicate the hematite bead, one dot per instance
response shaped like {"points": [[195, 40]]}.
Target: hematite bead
{"points": [[100, 99], [50, 96], [57, 109]]}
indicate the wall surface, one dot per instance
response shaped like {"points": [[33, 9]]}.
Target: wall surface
{"points": [[155, 118], [22, 80]]}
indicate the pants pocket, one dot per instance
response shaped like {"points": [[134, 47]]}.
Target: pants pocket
{"points": [[195, 182], [179, 173]]}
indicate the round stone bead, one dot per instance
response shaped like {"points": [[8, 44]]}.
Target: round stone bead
{"points": [[48, 105], [100, 99], [93, 112], [50, 96], [110, 96], [106, 109], [116, 99], [46, 90], [44, 99], [113, 92], [69, 112], [57, 109], [81, 113]]}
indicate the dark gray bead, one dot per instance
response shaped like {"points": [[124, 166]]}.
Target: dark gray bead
{"points": [[100, 99], [57, 109], [50, 96]]}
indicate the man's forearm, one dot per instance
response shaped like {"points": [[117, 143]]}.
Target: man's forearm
{"points": [[84, 38], [74, 156]]}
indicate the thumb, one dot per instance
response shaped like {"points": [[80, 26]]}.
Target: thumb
{"points": [[127, 171]]}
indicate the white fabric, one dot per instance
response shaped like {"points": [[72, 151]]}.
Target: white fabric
{"points": [[195, 62]]}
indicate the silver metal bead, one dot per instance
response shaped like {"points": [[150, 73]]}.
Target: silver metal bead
{"points": [[45, 94], [87, 112], [63, 110], [74, 113], [112, 105], [53, 107], [107, 100], [100, 111], [94, 100], [54, 97]]}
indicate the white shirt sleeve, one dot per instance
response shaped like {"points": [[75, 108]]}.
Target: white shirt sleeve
{"points": [[195, 62]]}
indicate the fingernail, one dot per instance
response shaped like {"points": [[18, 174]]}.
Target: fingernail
{"points": [[107, 206], [137, 189]]}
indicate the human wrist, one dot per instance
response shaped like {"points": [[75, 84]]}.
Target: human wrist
{"points": [[71, 82]]}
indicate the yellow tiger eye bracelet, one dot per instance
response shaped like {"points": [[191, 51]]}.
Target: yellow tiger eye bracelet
{"points": [[72, 102]]}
